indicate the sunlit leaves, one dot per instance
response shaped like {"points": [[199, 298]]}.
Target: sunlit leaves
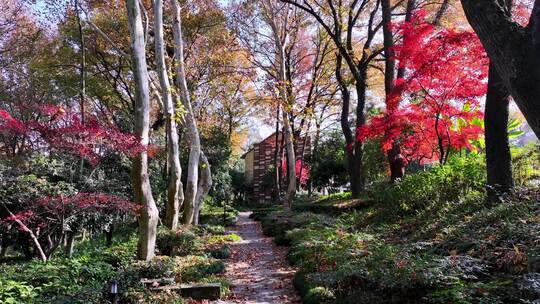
{"points": [[435, 108]]}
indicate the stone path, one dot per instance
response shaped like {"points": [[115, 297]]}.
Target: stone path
{"points": [[258, 268]]}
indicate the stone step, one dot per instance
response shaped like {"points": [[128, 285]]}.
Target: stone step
{"points": [[210, 291]]}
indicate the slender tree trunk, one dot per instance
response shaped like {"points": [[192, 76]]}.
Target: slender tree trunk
{"points": [[190, 123], [345, 127], [395, 160], [358, 171], [70, 243], [315, 152], [175, 193], [441, 11], [291, 161], [205, 183], [82, 69], [302, 154], [148, 216], [82, 73], [3, 250], [280, 32], [109, 235], [287, 130], [409, 11], [33, 236], [388, 43], [277, 158]]}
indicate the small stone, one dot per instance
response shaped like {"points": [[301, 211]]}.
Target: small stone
{"points": [[201, 291]]}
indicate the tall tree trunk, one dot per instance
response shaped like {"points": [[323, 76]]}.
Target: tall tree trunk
{"points": [[302, 154], [291, 161], [395, 159], [513, 50], [70, 243], [287, 130], [205, 183], [440, 12], [498, 157], [280, 34], [345, 127], [358, 168], [82, 72], [190, 123], [315, 152], [277, 155], [109, 235], [3, 250], [175, 193], [409, 11], [148, 216], [82, 69]]}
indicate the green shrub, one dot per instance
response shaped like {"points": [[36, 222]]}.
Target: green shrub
{"points": [[120, 255], [222, 252], [176, 243], [197, 268], [319, 295], [259, 213], [77, 280], [210, 229], [525, 163], [129, 279], [460, 177], [14, 292], [159, 267], [213, 214]]}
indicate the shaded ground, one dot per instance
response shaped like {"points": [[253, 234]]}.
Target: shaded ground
{"points": [[258, 269]]}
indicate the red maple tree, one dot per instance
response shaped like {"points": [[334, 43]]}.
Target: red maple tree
{"points": [[54, 127], [435, 108]]}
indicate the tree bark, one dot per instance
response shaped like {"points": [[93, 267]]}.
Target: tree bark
{"points": [[109, 236], [395, 159], [3, 250], [346, 129], [287, 129], [82, 69], [440, 12], [205, 183], [498, 157], [148, 216], [409, 11], [70, 243], [190, 123], [33, 236], [280, 34], [277, 156], [291, 161], [175, 193], [514, 51]]}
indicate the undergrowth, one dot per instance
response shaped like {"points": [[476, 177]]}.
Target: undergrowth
{"points": [[430, 238]]}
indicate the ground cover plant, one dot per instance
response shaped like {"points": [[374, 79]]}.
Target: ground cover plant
{"points": [[421, 246], [186, 255]]}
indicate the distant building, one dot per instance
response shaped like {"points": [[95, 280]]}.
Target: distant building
{"points": [[259, 161]]}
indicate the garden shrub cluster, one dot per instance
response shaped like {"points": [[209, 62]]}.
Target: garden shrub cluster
{"points": [[212, 214], [187, 255], [431, 238]]}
